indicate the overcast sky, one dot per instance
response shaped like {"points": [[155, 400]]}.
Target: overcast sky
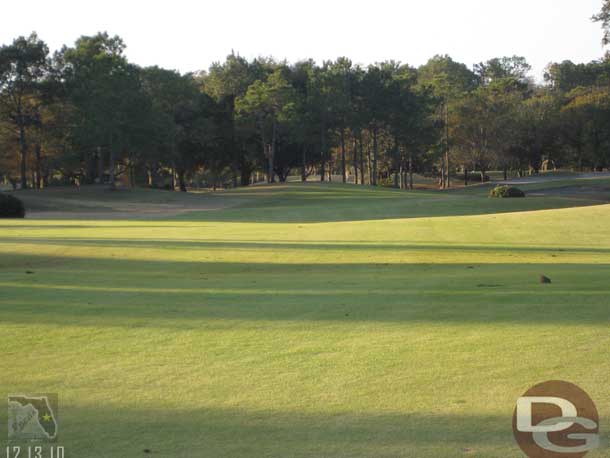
{"points": [[189, 35]]}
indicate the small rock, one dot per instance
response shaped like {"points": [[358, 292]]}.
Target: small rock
{"points": [[545, 280]]}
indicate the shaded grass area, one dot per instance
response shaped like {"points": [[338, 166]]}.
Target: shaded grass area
{"points": [[189, 294], [236, 333], [544, 183], [95, 198], [294, 434], [295, 202]]}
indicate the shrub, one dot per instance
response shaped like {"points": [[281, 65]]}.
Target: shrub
{"points": [[506, 191], [11, 207]]}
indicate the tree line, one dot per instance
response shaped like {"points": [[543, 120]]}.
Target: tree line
{"points": [[87, 115]]}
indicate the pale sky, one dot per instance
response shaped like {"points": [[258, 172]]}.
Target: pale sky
{"points": [[190, 35]]}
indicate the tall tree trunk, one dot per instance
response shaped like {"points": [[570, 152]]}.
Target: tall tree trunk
{"points": [[360, 149], [245, 168], [266, 151], [38, 173], [91, 172], [343, 171], [322, 154], [236, 175], [375, 152], [369, 165], [410, 170], [465, 176], [111, 164], [441, 178], [270, 172], [401, 176], [447, 183], [182, 181], [234, 150], [355, 161], [173, 185], [111, 180], [132, 173], [245, 175], [24, 154], [272, 153], [304, 164], [397, 165], [100, 165]]}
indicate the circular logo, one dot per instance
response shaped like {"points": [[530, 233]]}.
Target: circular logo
{"points": [[556, 420]]}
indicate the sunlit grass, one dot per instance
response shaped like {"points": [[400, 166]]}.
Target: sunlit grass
{"points": [[257, 331]]}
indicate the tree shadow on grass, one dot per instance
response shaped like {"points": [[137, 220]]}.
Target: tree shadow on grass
{"points": [[282, 245], [309, 211], [208, 432], [117, 292]]}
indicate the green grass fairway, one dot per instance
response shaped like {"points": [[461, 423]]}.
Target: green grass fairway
{"points": [[305, 320]]}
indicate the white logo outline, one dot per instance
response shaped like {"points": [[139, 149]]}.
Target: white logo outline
{"points": [[569, 417]]}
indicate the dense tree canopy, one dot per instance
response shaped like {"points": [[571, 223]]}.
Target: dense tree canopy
{"points": [[88, 115]]}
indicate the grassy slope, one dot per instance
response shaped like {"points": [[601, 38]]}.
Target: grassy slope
{"points": [[303, 324], [334, 202]]}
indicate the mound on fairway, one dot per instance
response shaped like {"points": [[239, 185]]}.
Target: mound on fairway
{"points": [[306, 320]]}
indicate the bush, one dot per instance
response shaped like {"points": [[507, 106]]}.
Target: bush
{"points": [[506, 191], [11, 207]]}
